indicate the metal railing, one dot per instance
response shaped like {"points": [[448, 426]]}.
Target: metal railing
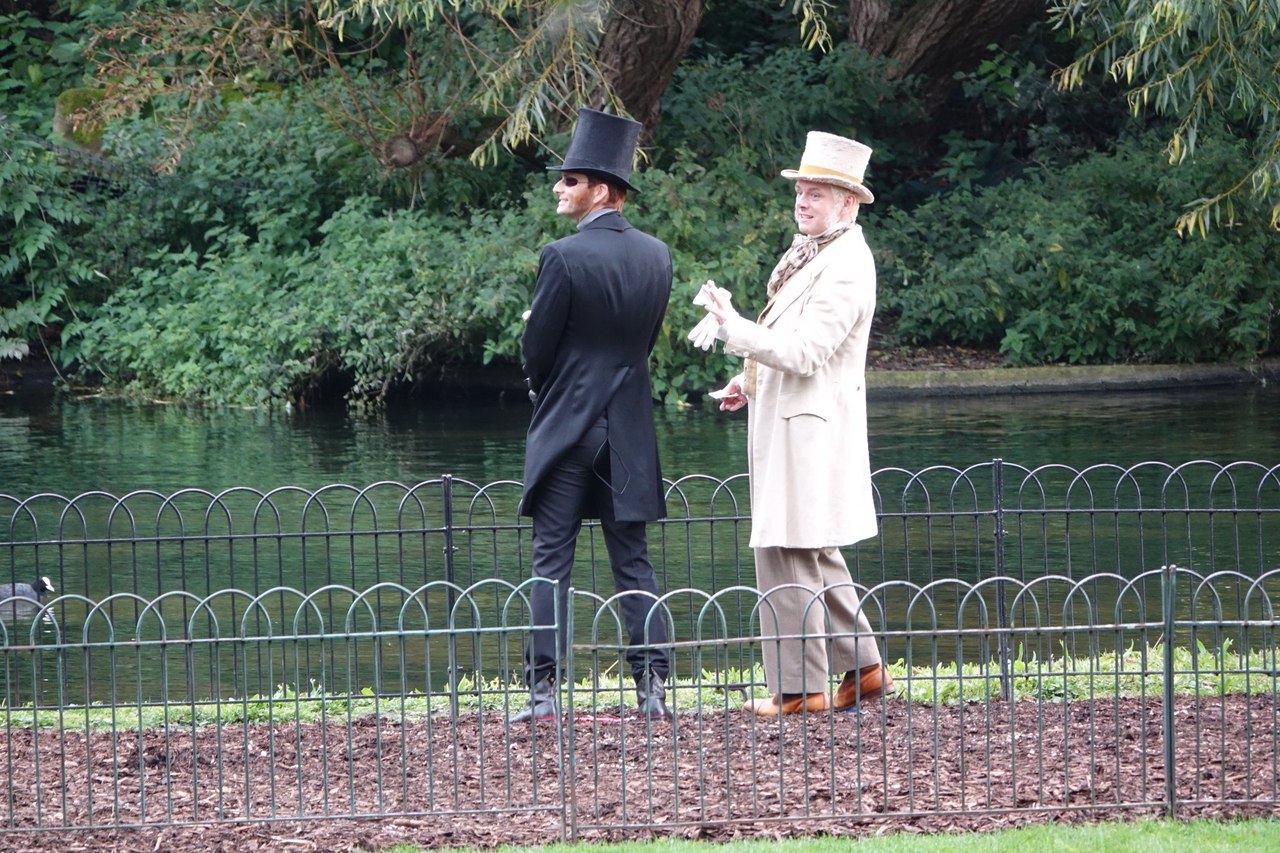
{"points": [[354, 653]]}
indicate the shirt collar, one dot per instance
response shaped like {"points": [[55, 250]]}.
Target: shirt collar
{"points": [[594, 215]]}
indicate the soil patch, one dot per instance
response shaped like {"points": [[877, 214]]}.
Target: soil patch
{"points": [[885, 353], [474, 781]]}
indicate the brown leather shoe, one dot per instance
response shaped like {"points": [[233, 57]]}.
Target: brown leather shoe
{"points": [[787, 703], [870, 682]]}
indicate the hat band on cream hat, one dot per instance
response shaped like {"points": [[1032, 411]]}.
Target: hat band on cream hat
{"points": [[831, 159]]}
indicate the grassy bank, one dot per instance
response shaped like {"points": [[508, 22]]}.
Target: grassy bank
{"points": [[1131, 672], [1146, 835]]}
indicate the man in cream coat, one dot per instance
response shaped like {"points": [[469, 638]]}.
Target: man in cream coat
{"points": [[810, 471]]}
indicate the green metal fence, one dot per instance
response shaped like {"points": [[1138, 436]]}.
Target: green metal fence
{"points": [[1063, 642]]}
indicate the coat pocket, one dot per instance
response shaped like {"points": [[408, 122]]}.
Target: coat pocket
{"points": [[804, 402]]}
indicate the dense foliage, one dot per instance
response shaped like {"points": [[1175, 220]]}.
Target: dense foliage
{"points": [[1199, 63], [39, 269], [249, 298], [1083, 265], [267, 253]]}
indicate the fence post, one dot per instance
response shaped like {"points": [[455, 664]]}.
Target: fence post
{"points": [[1002, 616], [1168, 576], [446, 490], [566, 735]]}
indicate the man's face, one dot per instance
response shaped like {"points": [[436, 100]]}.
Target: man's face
{"points": [[819, 206], [576, 195]]}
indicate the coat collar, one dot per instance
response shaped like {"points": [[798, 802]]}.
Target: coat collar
{"points": [[802, 281], [612, 220]]}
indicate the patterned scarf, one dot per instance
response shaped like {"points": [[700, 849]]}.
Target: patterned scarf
{"points": [[802, 250]]}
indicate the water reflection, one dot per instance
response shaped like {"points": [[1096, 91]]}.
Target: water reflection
{"points": [[51, 445], [69, 447], [25, 626], [1079, 430], [17, 616]]}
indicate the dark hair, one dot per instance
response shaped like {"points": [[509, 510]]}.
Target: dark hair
{"points": [[617, 194]]}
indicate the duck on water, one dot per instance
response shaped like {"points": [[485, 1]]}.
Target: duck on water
{"points": [[24, 598]]}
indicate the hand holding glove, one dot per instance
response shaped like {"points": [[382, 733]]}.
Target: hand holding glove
{"points": [[717, 301]]}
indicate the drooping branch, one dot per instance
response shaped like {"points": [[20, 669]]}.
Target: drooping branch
{"points": [[1196, 63], [521, 67]]}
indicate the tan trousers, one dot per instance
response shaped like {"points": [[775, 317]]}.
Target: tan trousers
{"points": [[816, 624]]}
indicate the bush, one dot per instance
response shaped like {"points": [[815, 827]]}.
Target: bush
{"points": [[41, 277], [384, 296], [400, 294], [42, 60], [1079, 265], [1083, 265], [272, 168], [279, 256], [763, 110], [375, 300]]}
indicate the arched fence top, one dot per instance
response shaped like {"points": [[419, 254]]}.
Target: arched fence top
{"points": [[942, 529], [721, 490], [387, 608], [1054, 486]]}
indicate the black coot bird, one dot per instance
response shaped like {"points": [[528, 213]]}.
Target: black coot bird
{"points": [[35, 592]]}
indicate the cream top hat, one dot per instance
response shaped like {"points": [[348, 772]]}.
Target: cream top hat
{"points": [[831, 159]]}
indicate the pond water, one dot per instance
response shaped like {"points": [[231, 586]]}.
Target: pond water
{"points": [[67, 447], [52, 445]]}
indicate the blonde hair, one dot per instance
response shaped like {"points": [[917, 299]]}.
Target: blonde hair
{"points": [[842, 195]]}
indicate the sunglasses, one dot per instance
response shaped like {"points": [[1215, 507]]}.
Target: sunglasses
{"points": [[570, 181]]}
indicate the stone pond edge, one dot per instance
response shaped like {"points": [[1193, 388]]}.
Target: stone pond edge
{"points": [[958, 382]]}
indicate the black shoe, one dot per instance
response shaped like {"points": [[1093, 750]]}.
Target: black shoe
{"points": [[542, 705], [651, 696]]}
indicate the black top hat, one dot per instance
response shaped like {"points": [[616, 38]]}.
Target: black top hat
{"points": [[603, 145]]}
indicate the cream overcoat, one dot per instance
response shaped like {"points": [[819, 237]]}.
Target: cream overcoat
{"points": [[808, 458]]}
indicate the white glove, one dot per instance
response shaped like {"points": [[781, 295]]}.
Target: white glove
{"points": [[704, 334]]}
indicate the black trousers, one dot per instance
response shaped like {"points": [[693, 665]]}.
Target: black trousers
{"points": [[579, 480]]}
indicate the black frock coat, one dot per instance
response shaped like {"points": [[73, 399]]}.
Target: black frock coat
{"points": [[597, 308]]}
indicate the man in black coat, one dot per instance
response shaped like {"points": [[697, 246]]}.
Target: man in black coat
{"points": [[592, 451]]}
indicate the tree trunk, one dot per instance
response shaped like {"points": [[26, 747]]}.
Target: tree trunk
{"points": [[937, 38], [869, 25], [643, 42]]}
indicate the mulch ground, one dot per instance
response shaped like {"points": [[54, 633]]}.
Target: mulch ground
{"points": [[476, 782]]}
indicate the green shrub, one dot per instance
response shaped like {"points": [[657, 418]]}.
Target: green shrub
{"points": [[272, 168], [275, 257], [1083, 265], [43, 280], [763, 109], [401, 294], [41, 60], [41, 277], [382, 297], [1077, 266], [212, 328]]}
